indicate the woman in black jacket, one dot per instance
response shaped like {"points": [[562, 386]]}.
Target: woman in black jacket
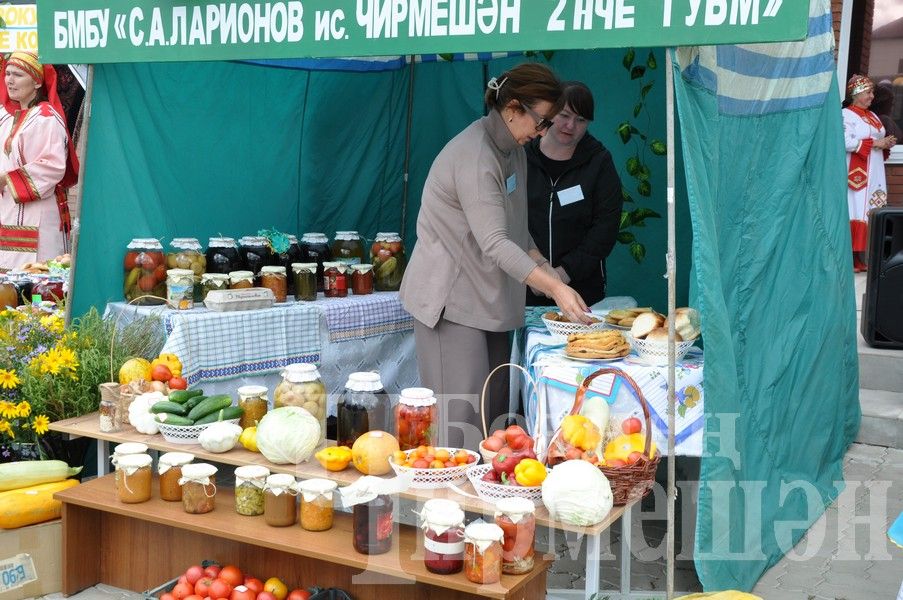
{"points": [[574, 198]]}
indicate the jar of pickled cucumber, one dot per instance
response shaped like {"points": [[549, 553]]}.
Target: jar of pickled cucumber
{"points": [[305, 279], [388, 258], [301, 386], [144, 270], [249, 483], [213, 281], [347, 248]]}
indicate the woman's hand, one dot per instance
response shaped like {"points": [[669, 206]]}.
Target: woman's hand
{"points": [[546, 280], [885, 143]]}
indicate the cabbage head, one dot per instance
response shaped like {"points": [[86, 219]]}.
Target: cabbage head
{"points": [[577, 492], [288, 435]]}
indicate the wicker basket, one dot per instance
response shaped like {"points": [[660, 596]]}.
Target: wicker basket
{"points": [[434, 479], [185, 434], [565, 329], [656, 353], [492, 492]]}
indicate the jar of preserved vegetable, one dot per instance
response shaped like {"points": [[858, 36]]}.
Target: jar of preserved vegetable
{"points": [[316, 504], [279, 506], [145, 271], [222, 255], [301, 386], [347, 248], [388, 258], [252, 399], [517, 520], [442, 522], [416, 418], [483, 552], [50, 289], [249, 483], [363, 407], [180, 288], [125, 449], [286, 259], [9, 294], [198, 483], [213, 281], [255, 253], [169, 468], [186, 253], [373, 525], [305, 278], [335, 280], [239, 280], [362, 279], [315, 249], [273, 277], [135, 478]]}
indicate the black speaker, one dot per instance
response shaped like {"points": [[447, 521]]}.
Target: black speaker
{"points": [[882, 306]]}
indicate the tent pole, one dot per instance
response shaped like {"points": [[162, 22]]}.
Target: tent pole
{"points": [[672, 300], [80, 151], [407, 148]]}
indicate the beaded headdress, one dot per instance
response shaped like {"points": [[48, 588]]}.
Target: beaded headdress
{"points": [[858, 84]]}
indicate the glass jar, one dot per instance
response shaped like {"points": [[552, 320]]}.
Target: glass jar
{"points": [[442, 522], [335, 280], [222, 255], [23, 285], [50, 289], [255, 253], [315, 249], [288, 258], [213, 281], [125, 449], [180, 288], [416, 418], [316, 504], [249, 483], [240, 280], [301, 386], [279, 507], [305, 279], [145, 271], [252, 399], [9, 294], [169, 468], [483, 552], [347, 248], [273, 277], [363, 407], [516, 517], [373, 525], [198, 483], [362, 279], [135, 478], [186, 253], [110, 415], [388, 259]]}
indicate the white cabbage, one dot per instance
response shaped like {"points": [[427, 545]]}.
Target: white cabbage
{"points": [[288, 435], [577, 492]]}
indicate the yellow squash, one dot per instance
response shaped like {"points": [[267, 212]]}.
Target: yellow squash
{"points": [[334, 458], [30, 505], [580, 432], [624, 445]]}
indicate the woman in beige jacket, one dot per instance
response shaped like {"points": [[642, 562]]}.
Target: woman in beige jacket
{"points": [[465, 284]]}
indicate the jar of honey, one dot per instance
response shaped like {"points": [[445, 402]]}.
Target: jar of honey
{"points": [[135, 481], [169, 468]]}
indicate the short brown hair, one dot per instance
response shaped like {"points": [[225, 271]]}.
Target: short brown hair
{"points": [[528, 83], [579, 98]]}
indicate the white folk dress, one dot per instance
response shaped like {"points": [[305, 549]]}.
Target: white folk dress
{"points": [[867, 185]]}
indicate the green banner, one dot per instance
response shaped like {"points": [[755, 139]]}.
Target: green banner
{"points": [[91, 31]]}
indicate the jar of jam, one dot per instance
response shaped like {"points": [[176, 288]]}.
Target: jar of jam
{"points": [[169, 468], [255, 253], [416, 418], [222, 255], [347, 248], [362, 279], [49, 288], [180, 289], [517, 520], [252, 399], [279, 507], [286, 259], [145, 271], [239, 280], [442, 522], [373, 525], [335, 280], [316, 504], [305, 278], [135, 478], [273, 277], [483, 552], [315, 249], [249, 483], [213, 281], [363, 407], [198, 483], [388, 259], [9, 294], [125, 449], [301, 386]]}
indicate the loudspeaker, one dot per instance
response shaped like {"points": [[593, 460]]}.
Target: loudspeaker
{"points": [[882, 305]]}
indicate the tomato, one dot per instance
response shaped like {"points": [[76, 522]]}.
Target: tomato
{"points": [[394, 247], [232, 575], [499, 433], [160, 273], [167, 596], [374, 249], [615, 462], [514, 432], [471, 458], [146, 261], [162, 373], [266, 596], [254, 584], [634, 456], [194, 597], [493, 444], [521, 442], [298, 594], [183, 579], [146, 283], [461, 456], [242, 593], [177, 383], [220, 588], [129, 261], [275, 586], [194, 573], [202, 586], [631, 425], [384, 254], [212, 571], [182, 590]]}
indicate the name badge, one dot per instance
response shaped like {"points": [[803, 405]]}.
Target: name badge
{"points": [[570, 195], [511, 183]]}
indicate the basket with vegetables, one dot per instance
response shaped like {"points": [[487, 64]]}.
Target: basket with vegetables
{"points": [[181, 416]]}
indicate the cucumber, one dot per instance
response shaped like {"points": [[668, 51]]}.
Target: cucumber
{"points": [[223, 414], [182, 396], [166, 406], [171, 419], [193, 401], [209, 405]]}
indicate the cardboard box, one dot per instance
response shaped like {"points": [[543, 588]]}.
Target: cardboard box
{"points": [[44, 543]]}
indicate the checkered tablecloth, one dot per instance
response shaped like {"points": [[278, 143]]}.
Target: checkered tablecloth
{"points": [[362, 317]]}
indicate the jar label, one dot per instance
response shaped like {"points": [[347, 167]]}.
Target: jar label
{"points": [[443, 547], [384, 525], [180, 295]]}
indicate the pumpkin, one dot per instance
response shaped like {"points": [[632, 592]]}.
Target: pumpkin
{"points": [[370, 452], [134, 369]]}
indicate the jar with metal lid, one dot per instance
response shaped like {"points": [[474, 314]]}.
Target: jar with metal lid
{"points": [[286, 259], [169, 468], [483, 552], [9, 294], [273, 277], [222, 255], [516, 517], [50, 289], [213, 281], [363, 407], [279, 506], [255, 253], [373, 525], [362, 279], [252, 399], [442, 522], [388, 258], [316, 504], [305, 279], [301, 386], [125, 449], [315, 248], [239, 280], [335, 280], [347, 248], [135, 478], [180, 288], [416, 418], [198, 483], [249, 483], [144, 267]]}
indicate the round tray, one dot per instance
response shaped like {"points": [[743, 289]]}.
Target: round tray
{"points": [[433, 479], [490, 492], [566, 329], [185, 434], [656, 353]]}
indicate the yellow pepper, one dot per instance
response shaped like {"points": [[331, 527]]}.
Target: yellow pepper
{"points": [[248, 438], [171, 361], [529, 472], [624, 445], [334, 458], [580, 432]]}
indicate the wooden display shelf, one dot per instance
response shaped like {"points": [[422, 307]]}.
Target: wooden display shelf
{"points": [[143, 545]]}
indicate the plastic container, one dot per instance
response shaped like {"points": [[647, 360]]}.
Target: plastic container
{"points": [[249, 483], [347, 248], [335, 279], [252, 399], [222, 255], [483, 552], [362, 279], [213, 281], [144, 268], [416, 418], [317, 510], [135, 478], [516, 517], [304, 276], [241, 280], [255, 253], [373, 525], [180, 288], [363, 407], [273, 278], [279, 505], [169, 469], [442, 522], [388, 258], [315, 249], [301, 386], [198, 483]]}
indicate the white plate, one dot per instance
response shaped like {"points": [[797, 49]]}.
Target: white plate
{"points": [[619, 327], [592, 359]]}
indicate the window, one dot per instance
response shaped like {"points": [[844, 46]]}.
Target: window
{"points": [[885, 65]]}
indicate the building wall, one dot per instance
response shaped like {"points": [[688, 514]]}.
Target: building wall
{"points": [[894, 184]]}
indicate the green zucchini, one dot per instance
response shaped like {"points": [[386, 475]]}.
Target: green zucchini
{"points": [[209, 405], [166, 406], [171, 419], [223, 414], [182, 396], [193, 401]]}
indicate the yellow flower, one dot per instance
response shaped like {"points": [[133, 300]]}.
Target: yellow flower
{"points": [[23, 409], [41, 424], [52, 323], [6, 428], [8, 410], [9, 379]]}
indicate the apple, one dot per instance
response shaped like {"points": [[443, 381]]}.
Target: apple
{"points": [[631, 425], [634, 456]]}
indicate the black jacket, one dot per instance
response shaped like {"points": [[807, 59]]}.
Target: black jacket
{"points": [[583, 232]]}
